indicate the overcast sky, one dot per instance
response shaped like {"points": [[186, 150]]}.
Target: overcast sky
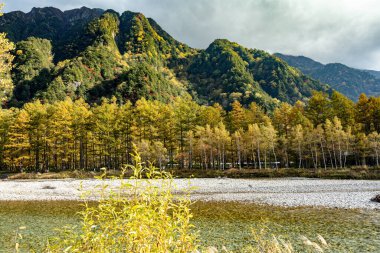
{"points": [[346, 31]]}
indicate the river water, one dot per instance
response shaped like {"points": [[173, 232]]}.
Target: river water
{"points": [[218, 223]]}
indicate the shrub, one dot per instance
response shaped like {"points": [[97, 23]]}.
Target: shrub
{"points": [[140, 216]]}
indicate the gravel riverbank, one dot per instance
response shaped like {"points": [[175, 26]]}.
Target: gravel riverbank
{"points": [[281, 192]]}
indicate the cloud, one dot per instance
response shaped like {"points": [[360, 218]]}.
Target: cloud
{"points": [[346, 31]]}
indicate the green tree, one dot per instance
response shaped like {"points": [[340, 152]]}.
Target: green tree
{"points": [[6, 59], [343, 108], [32, 65], [318, 108], [186, 113]]}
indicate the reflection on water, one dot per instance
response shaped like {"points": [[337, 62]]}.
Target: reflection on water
{"points": [[218, 223]]}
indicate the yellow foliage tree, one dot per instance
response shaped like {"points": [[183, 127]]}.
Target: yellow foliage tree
{"points": [[6, 59]]}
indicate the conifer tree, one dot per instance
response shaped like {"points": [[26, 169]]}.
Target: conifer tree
{"points": [[37, 129], [6, 117], [18, 149]]}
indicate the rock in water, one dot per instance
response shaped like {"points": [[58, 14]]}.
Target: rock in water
{"points": [[376, 199]]}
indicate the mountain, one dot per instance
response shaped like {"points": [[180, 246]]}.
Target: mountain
{"points": [[92, 53], [349, 81], [374, 73], [63, 29], [226, 71]]}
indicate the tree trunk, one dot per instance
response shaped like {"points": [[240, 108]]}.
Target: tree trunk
{"points": [[275, 157]]}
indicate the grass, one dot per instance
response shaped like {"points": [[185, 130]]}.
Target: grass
{"points": [[352, 173], [358, 173]]}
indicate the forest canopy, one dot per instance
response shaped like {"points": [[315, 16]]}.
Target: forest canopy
{"points": [[327, 132]]}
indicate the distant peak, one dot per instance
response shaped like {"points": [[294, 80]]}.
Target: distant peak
{"points": [[44, 9], [84, 8]]}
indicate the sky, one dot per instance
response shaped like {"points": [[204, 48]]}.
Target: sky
{"points": [[329, 31]]}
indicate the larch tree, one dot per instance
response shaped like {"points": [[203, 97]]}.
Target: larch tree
{"points": [[254, 137], [211, 115], [374, 144], [18, 149], [81, 127], [222, 139], [238, 143], [186, 112], [318, 108], [270, 139], [125, 115], [297, 136], [6, 117], [37, 131], [238, 117], [61, 134], [106, 132], [319, 135], [343, 108]]}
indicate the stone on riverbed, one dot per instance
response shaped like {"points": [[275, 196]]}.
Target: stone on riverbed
{"points": [[376, 198]]}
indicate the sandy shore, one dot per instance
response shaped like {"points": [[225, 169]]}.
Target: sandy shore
{"points": [[282, 192]]}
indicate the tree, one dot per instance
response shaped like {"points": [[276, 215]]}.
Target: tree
{"points": [[147, 119], [159, 153], [106, 133], [166, 123], [31, 72], [319, 135], [6, 117], [186, 112], [61, 135], [81, 127], [374, 144], [238, 141], [362, 113], [361, 145], [238, 117], [343, 108], [127, 126], [211, 115], [282, 119], [6, 59], [222, 139], [18, 149], [297, 136], [37, 128], [255, 114], [318, 108], [270, 139], [254, 137]]}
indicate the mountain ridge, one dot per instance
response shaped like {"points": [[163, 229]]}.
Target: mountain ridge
{"points": [[96, 53], [349, 81]]}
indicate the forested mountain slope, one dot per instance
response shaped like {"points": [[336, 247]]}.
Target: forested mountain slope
{"points": [[91, 54], [349, 81]]}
